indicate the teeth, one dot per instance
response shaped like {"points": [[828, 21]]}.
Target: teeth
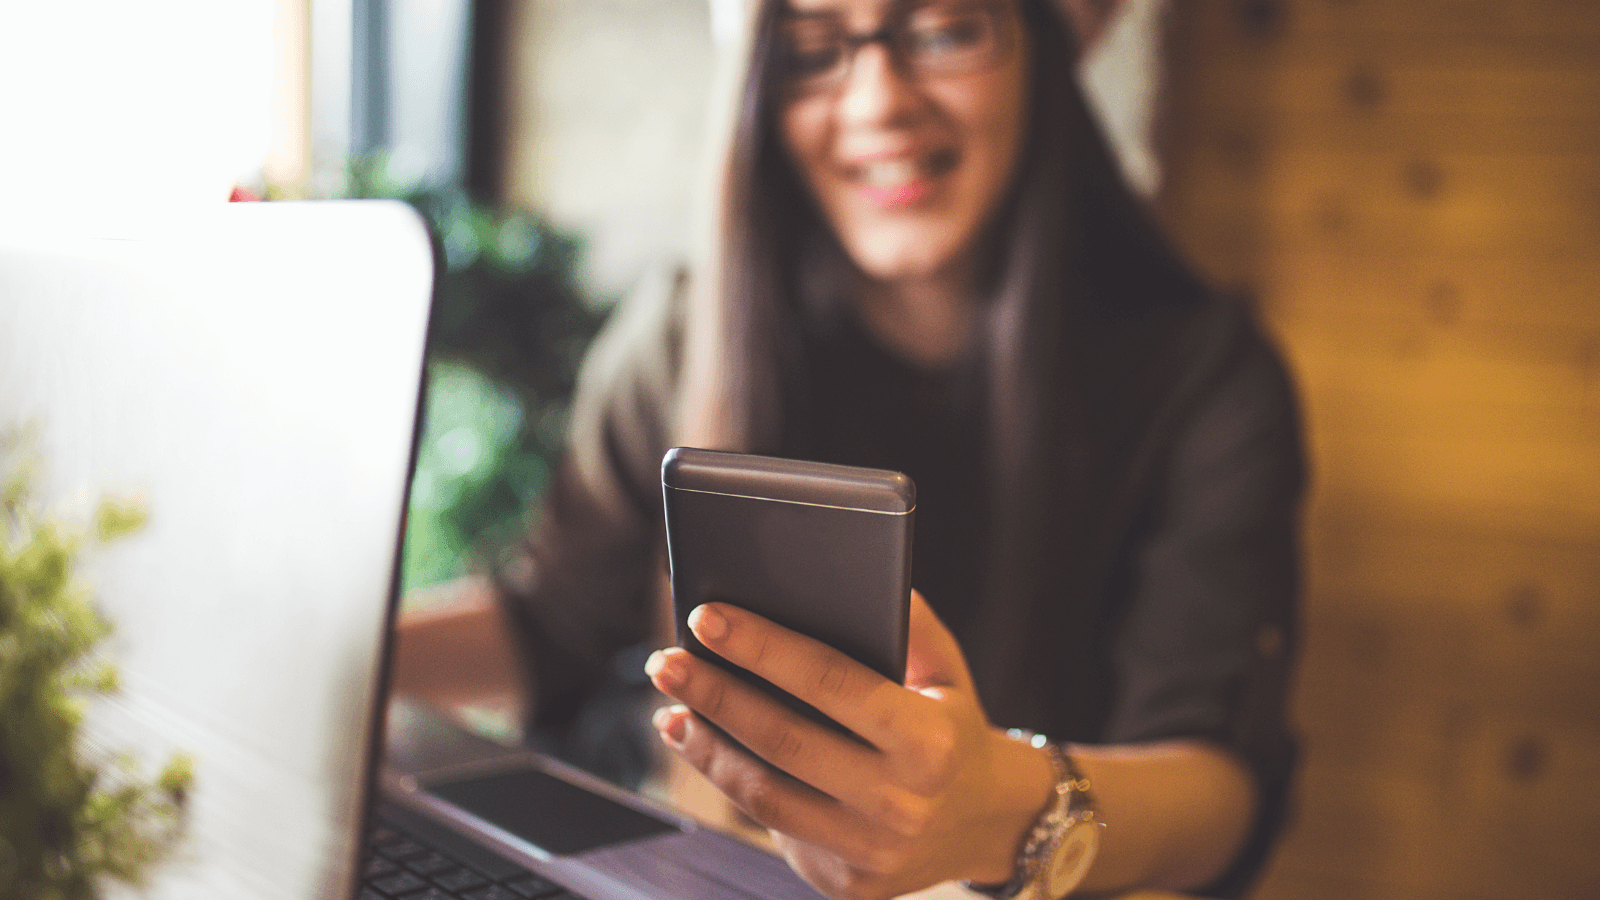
{"points": [[889, 174]]}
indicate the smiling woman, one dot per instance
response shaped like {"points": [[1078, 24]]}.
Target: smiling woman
{"points": [[926, 260], [906, 132]]}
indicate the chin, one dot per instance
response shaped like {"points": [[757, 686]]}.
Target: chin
{"points": [[902, 260]]}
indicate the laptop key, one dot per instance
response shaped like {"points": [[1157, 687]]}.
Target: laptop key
{"points": [[398, 885], [458, 879], [409, 859], [532, 886], [430, 864], [430, 893], [403, 849], [491, 892]]}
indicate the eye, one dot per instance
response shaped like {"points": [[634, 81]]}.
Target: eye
{"points": [[810, 49], [939, 32]]}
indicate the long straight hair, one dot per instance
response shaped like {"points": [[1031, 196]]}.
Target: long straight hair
{"points": [[1074, 247]]}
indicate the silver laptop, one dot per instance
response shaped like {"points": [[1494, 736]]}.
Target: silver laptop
{"points": [[252, 374]]}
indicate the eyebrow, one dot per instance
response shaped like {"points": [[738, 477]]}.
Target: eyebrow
{"points": [[809, 15], [886, 7]]}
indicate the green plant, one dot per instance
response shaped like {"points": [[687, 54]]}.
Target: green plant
{"points": [[509, 328], [67, 820]]}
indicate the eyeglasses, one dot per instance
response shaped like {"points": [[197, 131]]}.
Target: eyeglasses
{"points": [[935, 38]]}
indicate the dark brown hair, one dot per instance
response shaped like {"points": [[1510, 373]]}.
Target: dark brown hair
{"points": [[1077, 255]]}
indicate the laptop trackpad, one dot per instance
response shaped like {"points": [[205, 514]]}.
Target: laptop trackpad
{"points": [[554, 815]]}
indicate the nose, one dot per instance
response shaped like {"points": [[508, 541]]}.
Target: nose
{"points": [[875, 91]]}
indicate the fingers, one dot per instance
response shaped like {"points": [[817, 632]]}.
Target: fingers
{"points": [[830, 763], [769, 797], [933, 658], [845, 855], [855, 820], [835, 875], [838, 686]]}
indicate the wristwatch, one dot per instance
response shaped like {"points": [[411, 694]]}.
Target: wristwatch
{"points": [[1064, 840]]}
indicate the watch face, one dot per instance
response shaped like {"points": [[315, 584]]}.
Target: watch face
{"points": [[1071, 860]]}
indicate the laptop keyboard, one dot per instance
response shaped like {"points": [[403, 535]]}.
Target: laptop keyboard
{"points": [[400, 864]]}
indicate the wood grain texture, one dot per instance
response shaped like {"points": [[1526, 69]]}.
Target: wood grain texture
{"points": [[1410, 193]]}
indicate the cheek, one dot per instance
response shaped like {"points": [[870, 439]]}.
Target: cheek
{"points": [[804, 132], [999, 127], [991, 123]]}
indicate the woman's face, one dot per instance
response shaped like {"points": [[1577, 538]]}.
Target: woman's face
{"points": [[909, 149]]}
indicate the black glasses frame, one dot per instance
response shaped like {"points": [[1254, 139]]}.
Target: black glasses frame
{"points": [[889, 34]]}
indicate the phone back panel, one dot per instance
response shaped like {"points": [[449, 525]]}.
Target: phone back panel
{"points": [[821, 549]]}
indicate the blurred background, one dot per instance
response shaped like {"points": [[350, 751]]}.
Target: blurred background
{"points": [[1408, 192]]}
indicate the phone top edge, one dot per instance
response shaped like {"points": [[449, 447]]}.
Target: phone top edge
{"points": [[788, 480], [771, 499]]}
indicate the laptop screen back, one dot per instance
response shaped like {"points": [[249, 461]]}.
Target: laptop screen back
{"points": [[251, 375]]}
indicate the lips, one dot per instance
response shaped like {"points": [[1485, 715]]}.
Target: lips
{"points": [[900, 181]]}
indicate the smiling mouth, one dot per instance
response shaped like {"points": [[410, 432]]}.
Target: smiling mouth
{"points": [[900, 182]]}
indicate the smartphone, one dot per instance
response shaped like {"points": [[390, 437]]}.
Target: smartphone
{"points": [[818, 548]]}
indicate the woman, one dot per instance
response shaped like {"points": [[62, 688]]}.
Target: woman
{"points": [[928, 262]]}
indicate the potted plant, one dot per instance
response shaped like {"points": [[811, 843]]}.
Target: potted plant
{"points": [[69, 820]]}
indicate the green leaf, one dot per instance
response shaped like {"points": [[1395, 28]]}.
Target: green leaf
{"points": [[115, 519], [68, 821]]}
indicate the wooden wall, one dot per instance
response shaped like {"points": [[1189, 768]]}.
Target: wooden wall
{"points": [[1410, 189]]}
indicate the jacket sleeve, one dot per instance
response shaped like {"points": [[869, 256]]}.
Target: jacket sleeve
{"points": [[1207, 647], [585, 582]]}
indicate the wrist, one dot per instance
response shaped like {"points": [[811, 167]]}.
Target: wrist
{"points": [[1024, 787], [1061, 847]]}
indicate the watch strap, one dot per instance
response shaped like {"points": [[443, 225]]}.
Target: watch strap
{"points": [[1070, 804]]}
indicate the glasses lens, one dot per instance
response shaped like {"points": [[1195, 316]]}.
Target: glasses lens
{"points": [[813, 54], [949, 37]]}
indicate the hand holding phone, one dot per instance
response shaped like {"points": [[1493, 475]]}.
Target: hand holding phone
{"points": [[821, 549]]}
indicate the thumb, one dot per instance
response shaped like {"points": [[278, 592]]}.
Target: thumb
{"points": [[933, 658]]}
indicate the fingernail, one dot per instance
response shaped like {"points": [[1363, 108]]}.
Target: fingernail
{"points": [[665, 669], [670, 721], [707, 623]]}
